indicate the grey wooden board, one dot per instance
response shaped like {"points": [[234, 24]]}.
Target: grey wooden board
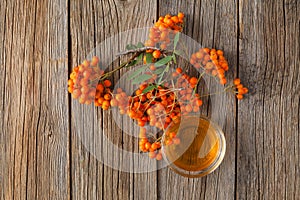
{"points": [[42, 155]]}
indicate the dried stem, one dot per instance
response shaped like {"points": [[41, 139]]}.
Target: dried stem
{"points": [[139, 50]]}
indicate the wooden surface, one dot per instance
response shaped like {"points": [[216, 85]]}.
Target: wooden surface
{"points": [[42, 157]]}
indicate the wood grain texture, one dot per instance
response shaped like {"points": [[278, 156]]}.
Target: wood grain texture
{"points": [[268, 121], [92, 23], [43, 154], [212, 24], [34, 112]]}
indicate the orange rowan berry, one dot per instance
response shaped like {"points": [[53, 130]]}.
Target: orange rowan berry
{"points": [[147, 145], [81, 68], [131, 114], [114, 102], [245, 90], [199, 102], [70, 89], [206, 50], [241, 90], [172, 135], [82, 100], [168, 21], [193, 81], [223, 81], [176, 140], [154, 146], [107, 97], [220, 53], [107, 83], [138, 92], [180, 15], [76, 93], [100, 87], [237, 81], [106, 103], [70, 82], [85, 89], [152, 67], [239, 86], [101, 100], [156, 54], [86, 73], [175, 19], [239, 96], [141, 123], [188, 108], [86, 63], [158, 156], [94, 61], [142, 135], [179, 70], [152, 154]]}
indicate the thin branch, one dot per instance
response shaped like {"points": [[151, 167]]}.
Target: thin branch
{"points": [[139, 50]]}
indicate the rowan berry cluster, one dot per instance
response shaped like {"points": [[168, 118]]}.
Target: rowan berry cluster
{"points": [[241, 90], [80, 85], [84, 86], [157, 102], [163, 31], [212, 61]]}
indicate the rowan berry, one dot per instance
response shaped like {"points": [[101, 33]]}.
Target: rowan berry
{"points": [[223, 81], [152, 154], [94, 61], [176, 140], [114, 102], [107, 83], [193, 81], [199, 102], [159, 156], [156, 54], [237, 81], [239, 96], [180, 15], [179, 70]]}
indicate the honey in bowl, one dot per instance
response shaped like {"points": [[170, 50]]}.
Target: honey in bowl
{"points": [[201, 149]]}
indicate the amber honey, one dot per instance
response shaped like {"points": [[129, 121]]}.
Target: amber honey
{"points": [[200, 146]]}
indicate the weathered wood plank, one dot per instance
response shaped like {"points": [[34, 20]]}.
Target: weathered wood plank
{"points": [[268, 120], [212, 24], [35, 139], [34, 104], [91, 23]]}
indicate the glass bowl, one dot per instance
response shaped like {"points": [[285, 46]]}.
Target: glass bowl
{"points": [[201, 148]]}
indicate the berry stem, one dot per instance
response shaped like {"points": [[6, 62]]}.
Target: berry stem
{"points": [[139, 50]]}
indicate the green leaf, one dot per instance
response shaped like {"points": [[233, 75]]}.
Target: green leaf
{"points": [[159, 71], [140, 57], [167, 68], [174, 58], [141, 78], [130, 47], [137, 72], [149, 88], [133, 62], [163, 61], [149, 57], [140, 45], [176, 39]]}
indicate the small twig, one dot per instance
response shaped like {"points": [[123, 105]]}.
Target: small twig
{"points": [[138, 50], [117, 69]]}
